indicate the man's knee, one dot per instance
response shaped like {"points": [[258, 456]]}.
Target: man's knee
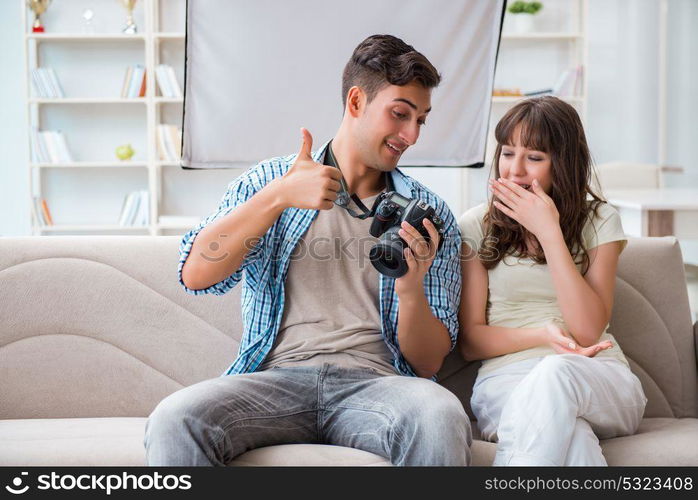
{"points": [[437, 412], [431, 427], [175, 415]]}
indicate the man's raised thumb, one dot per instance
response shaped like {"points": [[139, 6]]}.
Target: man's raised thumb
{"points": [[306, 145]]}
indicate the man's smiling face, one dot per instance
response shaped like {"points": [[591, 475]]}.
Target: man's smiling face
{"points": [[391, 123]]}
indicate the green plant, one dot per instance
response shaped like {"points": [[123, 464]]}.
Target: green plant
{"points": [[521, 7]]}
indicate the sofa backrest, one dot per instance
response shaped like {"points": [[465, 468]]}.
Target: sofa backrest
{"points": [[100, 327]]}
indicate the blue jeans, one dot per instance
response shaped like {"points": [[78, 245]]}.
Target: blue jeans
{"points": [[410, 421]]}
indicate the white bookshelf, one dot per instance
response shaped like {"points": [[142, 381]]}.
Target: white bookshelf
{"points": [[85, 196], [93, 37], [557, 42], [531, 61]]}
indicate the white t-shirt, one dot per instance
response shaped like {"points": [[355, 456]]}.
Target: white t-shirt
{"points": [[521, 293]]}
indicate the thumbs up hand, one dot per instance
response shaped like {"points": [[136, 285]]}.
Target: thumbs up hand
{"points": [[309, 184]]}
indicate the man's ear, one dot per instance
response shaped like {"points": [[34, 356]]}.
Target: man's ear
{"points": [[356, 100]]}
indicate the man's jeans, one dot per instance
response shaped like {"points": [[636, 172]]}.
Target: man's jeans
{"points": [[411, 421]]}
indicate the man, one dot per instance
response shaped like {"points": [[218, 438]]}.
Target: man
{"points": [[332, 352]]}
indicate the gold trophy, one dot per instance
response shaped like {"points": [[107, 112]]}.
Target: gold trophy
{"points": [[130, 28], [38, 7]]}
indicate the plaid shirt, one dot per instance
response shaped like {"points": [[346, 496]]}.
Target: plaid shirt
{"points": [[266, 265]]}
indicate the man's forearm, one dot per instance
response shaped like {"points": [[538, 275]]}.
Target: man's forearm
{"points": [[423, 338], [220, 248]]}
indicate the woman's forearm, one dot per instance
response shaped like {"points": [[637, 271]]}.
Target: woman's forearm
{"points": [[582, 309], [484, 341]]}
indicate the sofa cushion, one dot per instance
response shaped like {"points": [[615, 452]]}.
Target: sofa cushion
{"points": [[307, 455], [658, 441], [119, 442], [72, 441]]}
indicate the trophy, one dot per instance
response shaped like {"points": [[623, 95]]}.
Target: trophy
{"points": [[130, 27], [38, 7]]}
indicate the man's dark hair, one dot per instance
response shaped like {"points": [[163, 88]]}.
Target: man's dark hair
{"points": [[383, 60]]}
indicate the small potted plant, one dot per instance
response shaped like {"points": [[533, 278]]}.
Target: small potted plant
{"points": [[520, 15]]}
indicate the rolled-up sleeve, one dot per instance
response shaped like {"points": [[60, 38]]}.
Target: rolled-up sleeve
{"points": [[238, 192]]}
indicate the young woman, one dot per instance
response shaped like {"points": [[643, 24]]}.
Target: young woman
{"points": [[539, 267]]}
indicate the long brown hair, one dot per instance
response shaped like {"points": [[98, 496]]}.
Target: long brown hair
{"points": [[552, 126]]}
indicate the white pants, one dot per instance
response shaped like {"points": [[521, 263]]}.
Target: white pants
{"points": [[553, 410]]}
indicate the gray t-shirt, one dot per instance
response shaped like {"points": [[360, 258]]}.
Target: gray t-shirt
{"points": [[331, 311]]}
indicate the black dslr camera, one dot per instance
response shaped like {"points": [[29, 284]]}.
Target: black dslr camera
{"points": [[387, 255]]}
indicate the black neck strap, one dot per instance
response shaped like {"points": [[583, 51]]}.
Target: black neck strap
{"points": [[343, 194]]}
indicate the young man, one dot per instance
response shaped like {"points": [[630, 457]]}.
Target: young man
{"points": [[332, 352]]}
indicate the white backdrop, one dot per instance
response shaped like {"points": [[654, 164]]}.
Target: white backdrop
{"points": [[241, 108]]}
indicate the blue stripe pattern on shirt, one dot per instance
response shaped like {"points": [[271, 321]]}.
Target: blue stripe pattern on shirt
{"points": [[266, 265]]}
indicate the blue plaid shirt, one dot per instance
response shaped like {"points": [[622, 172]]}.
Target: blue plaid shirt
{"points": [[266, 265]]}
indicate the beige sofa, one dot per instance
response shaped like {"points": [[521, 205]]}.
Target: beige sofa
{"points": [[95, 331]]}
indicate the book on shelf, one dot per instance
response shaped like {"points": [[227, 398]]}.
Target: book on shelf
{"points": [[134, 82], [135, 210], [501, 92], [45, 83], [167, 81], [569, 83], [534, 93], [40, 212], [169, 142], [49, 146]]}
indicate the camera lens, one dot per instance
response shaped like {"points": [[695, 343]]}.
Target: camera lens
{"points": [[387, 255]]}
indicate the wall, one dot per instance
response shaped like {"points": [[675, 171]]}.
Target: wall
{"points": [[622, 108]]}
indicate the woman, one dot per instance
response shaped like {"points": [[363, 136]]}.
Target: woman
{"points": [[538, 277]]}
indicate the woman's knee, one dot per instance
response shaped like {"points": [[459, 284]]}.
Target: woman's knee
{"points": [[559, 367]]}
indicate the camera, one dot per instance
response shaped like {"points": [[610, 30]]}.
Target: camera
{"points": [[387, 255]]}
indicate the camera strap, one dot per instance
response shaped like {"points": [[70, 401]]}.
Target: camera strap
{"points": [[343, 194]]}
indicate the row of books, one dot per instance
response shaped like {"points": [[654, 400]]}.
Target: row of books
{"points": [[40, 212], [49, 146], [45, 83], [134, 82], [135, 210], [167, 81], [568, 84], [169, 141]]}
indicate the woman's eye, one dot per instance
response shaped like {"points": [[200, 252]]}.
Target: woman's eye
{"points": [[399, 115], [507, 154], [534, 158]]}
